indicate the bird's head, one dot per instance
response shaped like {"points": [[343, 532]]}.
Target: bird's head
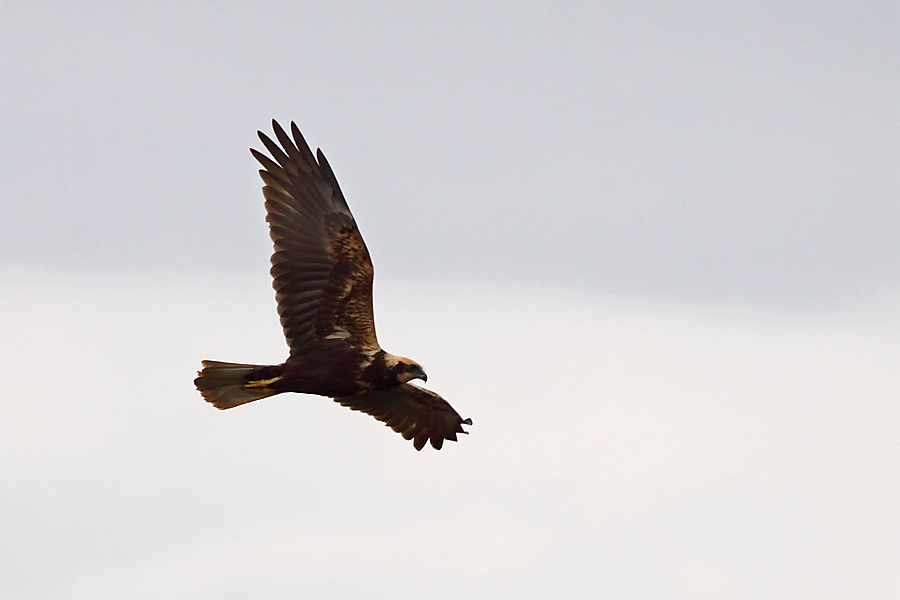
{"points": [[405, 369]]}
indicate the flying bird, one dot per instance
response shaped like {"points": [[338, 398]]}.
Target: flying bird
{"points": [[322, 274]]}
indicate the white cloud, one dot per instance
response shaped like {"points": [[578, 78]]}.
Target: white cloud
{"points": [[618, 449]]}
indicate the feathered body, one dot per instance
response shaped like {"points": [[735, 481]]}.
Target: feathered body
{"points": [[322, 274]]}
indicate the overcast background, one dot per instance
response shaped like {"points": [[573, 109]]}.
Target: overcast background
{"points": [[652, 249]]}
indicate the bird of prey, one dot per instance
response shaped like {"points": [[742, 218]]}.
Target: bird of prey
{"points": [[322, 276]]}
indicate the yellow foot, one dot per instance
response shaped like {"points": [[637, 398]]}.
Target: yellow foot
{"points": [[261, 383]]}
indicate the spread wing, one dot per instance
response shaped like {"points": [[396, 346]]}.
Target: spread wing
{"points": [[415, 413], [321, 267]]}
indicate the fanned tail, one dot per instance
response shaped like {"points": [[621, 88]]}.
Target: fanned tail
{"points": [[226, 385]]}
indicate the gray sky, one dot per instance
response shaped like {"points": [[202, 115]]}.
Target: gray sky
{"points": [[651, 249], [709, 151]]}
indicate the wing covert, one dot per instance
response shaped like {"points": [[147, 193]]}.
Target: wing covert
{"points": [[321, 269]]}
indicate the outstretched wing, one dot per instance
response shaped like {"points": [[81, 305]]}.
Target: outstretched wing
{"points": [[415, 413], [321, 267]]}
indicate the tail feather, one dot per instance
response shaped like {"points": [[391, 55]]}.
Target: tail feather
{"points": [[226, 385]]}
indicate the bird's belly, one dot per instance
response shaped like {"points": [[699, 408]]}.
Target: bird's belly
{"points": [[331, 378]]}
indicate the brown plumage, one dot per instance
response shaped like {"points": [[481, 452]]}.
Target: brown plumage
{"points": [[322, 274]]}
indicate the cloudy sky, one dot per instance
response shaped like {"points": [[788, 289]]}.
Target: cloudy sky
{"points": [[652, 249]]}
